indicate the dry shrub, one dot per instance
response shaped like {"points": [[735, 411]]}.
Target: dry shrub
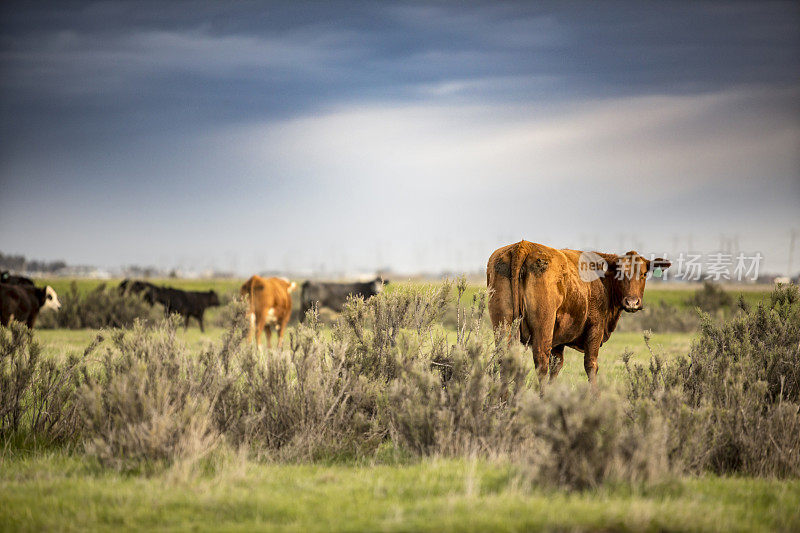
{"points": [[711, 298], [385, 370], [582, 440], [231, 310], [388, 374], [150, 402], [734, 405], [102, 307], [461, 398], [665, 318], [36, 393], [377, 332], [661, 318], [303, 402]]}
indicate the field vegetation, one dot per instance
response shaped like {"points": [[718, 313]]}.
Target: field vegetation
{"points": [[404, 413]]}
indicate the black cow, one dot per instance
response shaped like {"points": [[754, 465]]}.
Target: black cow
{"points": [[23, 302], [334, 295], [186, 303], [142, 288], [8, 277]]}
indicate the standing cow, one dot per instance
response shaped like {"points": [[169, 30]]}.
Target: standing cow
{"points": [[334, 295], [186, 303], [269, 303], [23, 302], [564, 298]]}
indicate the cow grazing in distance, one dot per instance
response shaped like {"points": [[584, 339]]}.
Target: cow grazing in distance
{"points": [[269, 303], [186, 303], [141, 288], [24, 302], [564, 298], [334, 295]]}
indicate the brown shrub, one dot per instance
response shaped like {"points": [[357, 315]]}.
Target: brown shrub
{"points": [[582, 440], [36, 393], [102, 307], [149, 404], [733, 405]]}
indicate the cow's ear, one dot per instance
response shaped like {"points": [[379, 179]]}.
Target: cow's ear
{"points": [[611, 265], [658, 262]]}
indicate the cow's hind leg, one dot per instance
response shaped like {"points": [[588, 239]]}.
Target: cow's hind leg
{"points": [[268, 332], [541, 323], [252, 317], [257, 323], [282, 329], [556, 361]]}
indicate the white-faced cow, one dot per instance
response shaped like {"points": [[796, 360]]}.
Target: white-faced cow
{"points": [[23, 303]]}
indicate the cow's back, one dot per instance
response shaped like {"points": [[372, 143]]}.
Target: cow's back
{"points": [[18, 301], [281, 293], [547, 284], [268, 293], [535, 264], [334, 295]]}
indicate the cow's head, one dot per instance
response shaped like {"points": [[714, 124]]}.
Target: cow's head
{"points": [[213, 299], [123, 286], [629, 273], [378, 283], [51, 299]]}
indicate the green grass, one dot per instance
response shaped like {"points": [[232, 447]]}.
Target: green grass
{"points": [[679, 295], [47, 492], [655, 293], [84, 285], [62, 342]]}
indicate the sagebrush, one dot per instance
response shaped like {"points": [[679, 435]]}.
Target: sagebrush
{"points": [[386, 373], [102, 307]]}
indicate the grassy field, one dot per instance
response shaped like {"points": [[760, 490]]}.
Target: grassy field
{"points": [[61, 342], [56, 492], [56, 489], [677, 295]]}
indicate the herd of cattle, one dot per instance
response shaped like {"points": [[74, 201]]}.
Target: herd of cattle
{"points": [[269, 300], [539, 290]]}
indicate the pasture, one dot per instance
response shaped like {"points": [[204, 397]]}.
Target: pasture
{"points": [[57, 487]]}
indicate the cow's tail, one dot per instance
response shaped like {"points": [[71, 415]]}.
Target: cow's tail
{"points": [[252, 309], [518, 256]]}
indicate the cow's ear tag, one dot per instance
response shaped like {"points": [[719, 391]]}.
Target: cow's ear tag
{"points": [[657, 272]]}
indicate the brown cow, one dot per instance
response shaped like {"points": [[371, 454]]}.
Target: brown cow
{"points": [[564, 298], [270, 302]]}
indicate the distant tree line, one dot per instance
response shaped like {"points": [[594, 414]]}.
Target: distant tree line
{"points": [[19, 263]]}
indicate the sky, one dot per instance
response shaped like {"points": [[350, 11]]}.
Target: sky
{"points": [[351, 136]]}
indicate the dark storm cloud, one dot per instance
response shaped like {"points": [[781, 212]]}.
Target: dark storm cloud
{"points": [[292, 56]]}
